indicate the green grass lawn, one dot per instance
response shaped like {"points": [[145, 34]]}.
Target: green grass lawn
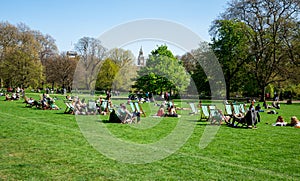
{"points": [[47, 144]]}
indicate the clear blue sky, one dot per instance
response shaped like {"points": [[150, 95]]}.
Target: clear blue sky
{"points": [[69, 20]]}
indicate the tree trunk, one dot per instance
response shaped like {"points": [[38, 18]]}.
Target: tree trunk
{"points": [[228, 89], [263, 92]]}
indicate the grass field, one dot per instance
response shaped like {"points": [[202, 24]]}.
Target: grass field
{"points": [[49, 145]]}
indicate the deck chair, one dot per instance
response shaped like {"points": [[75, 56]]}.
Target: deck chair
{"points": [[69, 109], [238, 120], [135, 111], [26, 101], [215, 117], [228, 110], [92, 106], [132, 106], [139, 108], [194, 108], [211, 107], [236, 109], [242, 109], [104, 106], [124, 116], [204, 112]]}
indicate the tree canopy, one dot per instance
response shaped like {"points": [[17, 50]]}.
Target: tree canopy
{"points": [[163, 72]]}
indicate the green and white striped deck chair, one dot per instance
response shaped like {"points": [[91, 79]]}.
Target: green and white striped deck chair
{"points": [[228, 110], [204, 112], [193, 108], [242, 109], [236, 109]]}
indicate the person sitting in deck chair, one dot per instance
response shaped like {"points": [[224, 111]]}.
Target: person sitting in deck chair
{"points": [[124, 115]]}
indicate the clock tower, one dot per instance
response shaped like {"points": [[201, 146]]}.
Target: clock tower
{"points": [[141, 59]]}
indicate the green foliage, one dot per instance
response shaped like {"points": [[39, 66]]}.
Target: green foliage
{"points": [[162, 51], [273, 27], [128, 70], [270, 90], [230, 45], [106, 75], [162, 73], [19, 61]]}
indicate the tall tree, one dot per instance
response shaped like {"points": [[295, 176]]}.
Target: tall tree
{"points": [[127, 68], [91, 54], [107, 74], [230, 45], [269, 20], [163, 72], [121, 57], [20, 64], [60, 70]]}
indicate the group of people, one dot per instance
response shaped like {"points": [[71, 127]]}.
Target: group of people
{"points": [[294, 122], [46, 102], [12, 97], [91, 107], [170, 110]]}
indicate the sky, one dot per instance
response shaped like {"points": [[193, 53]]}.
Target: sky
{"points": [[69, 20]]}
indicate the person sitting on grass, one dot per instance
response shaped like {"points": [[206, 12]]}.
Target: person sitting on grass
{"points": [[295, 122], [280, 121], [7, 98], [161, 111], [172, 112]]}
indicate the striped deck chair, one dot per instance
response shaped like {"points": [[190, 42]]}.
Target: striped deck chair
{"points": [[228, 110], [242, 109], [194, 108], [240, 119], [236, 109], [92, 106], [204, 112], [69, 109], [139, 108], [104, 106]]}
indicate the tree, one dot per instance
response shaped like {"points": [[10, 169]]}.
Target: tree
{"points": [[270, 21], [107, 74], [60, 70], [121, 57], [163, 51], [125, 76], [19, 50], [127, 68], [230, 45], [91, 54], [162, 73]]}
